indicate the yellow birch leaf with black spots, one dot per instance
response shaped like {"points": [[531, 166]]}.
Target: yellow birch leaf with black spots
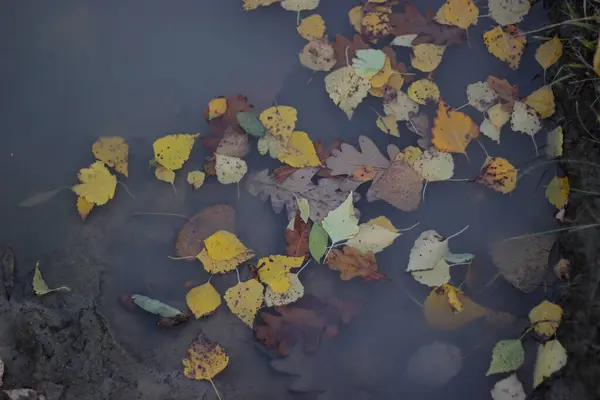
{"points": [[230, 169], [549, 52], [273, 270], [248, 5], [196, 178], [84, 207], [279, 120], [216, 108], [355, 16], [114, 152], [498, 174], [347, 89], [424, 91], [172, 151], [223, 245], [557, 191], [164, 174], [300, 151], [452, 130], [218, 267], [203, 300], [542, 101], [545, 318], [506, 43], [388, 124], [427, 57], [204, 360], [312, 27], [461, 13], [97, 184], [245, 299], [376, 25]]}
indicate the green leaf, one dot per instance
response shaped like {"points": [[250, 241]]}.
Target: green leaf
{"points": [[368, 62], [155, 307], [317, 241], [341, 223], [251, 124], [40, 287], [304, 208], [508, 355]]}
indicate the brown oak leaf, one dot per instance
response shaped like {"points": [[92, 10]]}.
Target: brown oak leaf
{"points": [[282, 173], [217, 127], [411, 22], [345, 49], [505, 90], [297, 239], [352, 263], [398, 66]]}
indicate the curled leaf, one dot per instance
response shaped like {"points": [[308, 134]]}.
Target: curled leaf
{"points": [[40, 287]]}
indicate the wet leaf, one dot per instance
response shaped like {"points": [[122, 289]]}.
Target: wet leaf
{"points": [[551, 357], [376, 22], [294, 292], [523, 262], [317, 241], [439, 313], [245, 299], [404, 40], [424, 91], [318, 55], [40, 287], [355, 16], [164, 174], [542, 101], [410, 154], [374, 235], [40, 198], [304, 208], [226, 123], [434, 165], [434, 364], [155, 307], [251, 124], [230, 169], [341, 223], [346, 49], [398, 103], [545, 311], [427, 57], [505, 90], [439, 275], [368, 62], [279, 120], [507, 356], [461, 13], [347, 159], [382, 77], [113, 151], [481, 96], [203, 300], [596, 61], [554, 146], [196, 178], [420, 124], [223, 245], [311, 27], [97, 184], [427, 30], [562, 269], [299, 151], [273, 271], [190, 239], [347, 89], [217, 267], [172, 151], [352, 263], [299, 5], [509, 389], [233, 144], [399, 186], [453, 130], [506, 12], [248, 5], [297, 238], [205, 359], [429, 248], [216, 108], [549, 52], [557, 191], [524, 119], [498, 174], [489, 130], [506, 43], [388, 125], [84, 207]]}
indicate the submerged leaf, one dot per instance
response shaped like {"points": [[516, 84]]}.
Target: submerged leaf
{"points": [[40, 198], [294, 292], [248, 5], [427, 30], [352, 263], [442, 313], [434, 364], [399, 186], [190, 239], [84, 207], [40, 287], [164, 174], [155, 307]]}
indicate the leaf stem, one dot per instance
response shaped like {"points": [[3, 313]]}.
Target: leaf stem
{"points": [[458, 233], [163, 214], [126, 189], [213, 384]]}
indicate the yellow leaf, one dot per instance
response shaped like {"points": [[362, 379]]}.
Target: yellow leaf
{"points": [[423, 91], [548, 53], [411, 154], [299, 151], [377, 92], [230, 169], [454, 301], [381, 77], [172, 151], [223, 245], [427, 57], [245, 299], [97, 184], [498, 115], [217, 267], [204, 359], [376, 24], [203, 300], [248, 5], [388, 124], [273, 271], [554, 147], [557, 192], [113, 151], [452, 130], [216, 107], [551, 357], [383, 222], [545, 311], [196, 178], [84, 207], [40, 287], [506, 43], [279, 120], [439, 313], [461, 13], [498, 174], [295, 292], [355, 15], [347, 89], [312, 27], [542, 101], [164, 174], [597, 58], [395, 81]]}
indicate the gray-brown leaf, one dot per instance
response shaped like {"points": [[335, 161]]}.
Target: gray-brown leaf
{"points": [[347, 159], [233, 144], [421, 125], [399, 185]]}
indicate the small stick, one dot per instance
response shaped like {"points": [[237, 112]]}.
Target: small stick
{"points": [[457, 233], [126, 189], [162, 214], [182, 258]]}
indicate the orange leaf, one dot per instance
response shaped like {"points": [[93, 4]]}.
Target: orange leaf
{"points": [[364, 173], [452, 130], [297, 239], [352, 263]]}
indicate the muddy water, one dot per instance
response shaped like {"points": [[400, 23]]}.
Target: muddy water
{"points": [[74, 71]]}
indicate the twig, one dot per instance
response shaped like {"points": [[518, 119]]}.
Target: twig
{"points": [[557, 25], [162, 214], [570, 229], [126, 189]]}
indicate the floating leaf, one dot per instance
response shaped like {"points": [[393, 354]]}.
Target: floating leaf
{"points": [[481, 96], [40, 287], [441, 314], [398, 103], [205, 359], [216, 107], [452, 130], [505, 90], [40, 198], [245, 299], [203, 300], [164, 174], [347, 89], [217, 267], [299, 5], [304, 208], [295, 292], [352, 263], [557, 191], [498, 174], [279, 120], [461, 13], [424, 91], [427, 30], [434, 165], [554, 147], [439, 275], [545, 318], [113, 151], [317, 241], [376, 24], [355, 16], [427, 57], [489, 130], [341, 223], [196, 178], [97, 184], [155, 307], [381, 78], [318, 55], [399, 186], [230, 169], [299, 151], [273, 271], [190, 239], [551, 357], [507, 356], [84, 207], [223, 245], [420, 124], [374, 235], [506, 12], [388, 125], [251, 124], [368, 62], [296, 237], [434, 364], [347, 159], [404, 40], [509, 389], [410, 154], [542, 101], [429, 248], [248, 5], [173, 151], [549, 52], [506, 43], [524, 119], [312, 27]]}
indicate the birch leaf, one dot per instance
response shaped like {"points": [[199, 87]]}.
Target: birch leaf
{"points": [[294, 292], [427, 251], [347, 89], [317, 241], [461, 13], [40, 287], [427, 57], [549, 312], [374, 237], [509, 389], [318, 55], [524, 119], [204, 360], [173, 150], [557, 191], [481, 96], [424, 91], [341, 223], [230, 169], [196, 178], [507, 44], [549, 52], [506, 12], [273, 271], [434, 165], [245, 299], [542, 101], [507, 356], [368, 62], [453, 130], [399, 104], [164, 174], [203, 300], [551, 357], [97, 184], [312, 27], [554, 146], [113, 151]]}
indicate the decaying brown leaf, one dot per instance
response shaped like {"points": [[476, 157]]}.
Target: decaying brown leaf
{"points": [[427, 30], [323, 152], [345, 50], [352, 263], [439, 313], [297, 239], [505, 90], [190, 239], [421, 125], [218, 126], [347, 159], [399, 185]]}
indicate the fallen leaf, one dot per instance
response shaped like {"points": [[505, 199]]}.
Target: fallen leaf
{"points": [[420, 124], [346, 49], [273, 271], [164, 174], [297, 239], [113, 151], [190, 239], [233, 144], [368, 62], [216, 108], [490, 130], [341, 223], [434, 364], [551, 357], [304, 208], [279, 120], [461, 13], [299, 5], [318, 55], [355, 16], [97, 184], [439, 275], [347, 159], [542, 101], [223, 245], [410, 154], [374, 236], [498, 174], [218, 267], [427, 57], [299, 151], [404, 40], [40, 198], [172, 151], [554, 146], [481, 96], [523, 262], [498, 115], [230, 169], [250, 124], [248, 5], [439, 313], [40, 287], [196, 178], [562, 269], [596, 61], [375, 22], [399, 186], [545, 318], [347, 89], [424, 91], [317, 241], [506, 43], [453, 130], [203, 300], [382, 77], [434, 165], [228, 122], [427, 30], [352, 263], [557, 191], [508, 389], [507, 356], [294, 292], [312, 27], [524, 119], [245, 299], [429, 248], [84, 207], [398, 103], [388, 125], [549, 52], [505, 90], [205, 359], [507, 12], [156, 307]]}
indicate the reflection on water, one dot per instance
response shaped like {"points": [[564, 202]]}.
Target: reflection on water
{"points": [[79, 70]]}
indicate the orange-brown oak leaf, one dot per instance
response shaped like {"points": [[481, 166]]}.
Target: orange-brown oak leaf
{"points": [[297, 239], [411, 22], [352, 263]]}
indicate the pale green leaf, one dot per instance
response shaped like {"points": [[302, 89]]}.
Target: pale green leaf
{"points": [[341, 223], [317, 241], [304, 208], [458, 258], [507, 356], [551, 357], [251, 124], [368, 62], [155, 307]]}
